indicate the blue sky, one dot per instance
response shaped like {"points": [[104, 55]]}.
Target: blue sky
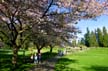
{"points": [[83, 24], [92, 24]]}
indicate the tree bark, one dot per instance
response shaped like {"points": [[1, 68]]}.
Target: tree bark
{"points": [[38, 50], [15, 55], [23, 53], [51, 49]]}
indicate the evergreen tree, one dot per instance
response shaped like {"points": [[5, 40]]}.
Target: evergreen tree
{"points": [[105, 37], [93, 40], [96, 38], [87, 38], [82, 41], [100, 37]]}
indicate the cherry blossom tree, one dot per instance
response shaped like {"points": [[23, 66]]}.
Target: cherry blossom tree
{"points": [[52, 32]]}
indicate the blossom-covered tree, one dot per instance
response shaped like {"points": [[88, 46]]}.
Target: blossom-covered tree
{"points": [[52, 32]]}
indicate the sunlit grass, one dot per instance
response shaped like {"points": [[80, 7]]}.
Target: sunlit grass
{"points": [[95, 59]]}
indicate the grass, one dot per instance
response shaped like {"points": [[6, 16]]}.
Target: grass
{"points": [[6, 63], [95, 59], [23, 62]]}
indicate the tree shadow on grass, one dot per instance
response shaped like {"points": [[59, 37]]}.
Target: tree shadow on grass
{"points": [[2, 51], [24, 63], [47, 59], [98, 68], [6, 61], [62, 65], [48, 55], [45, 56]]}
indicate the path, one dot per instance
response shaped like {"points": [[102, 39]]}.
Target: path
{"points": [[48, 65]]}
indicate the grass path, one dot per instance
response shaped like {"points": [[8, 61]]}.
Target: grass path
{"points": [[48, 65]]}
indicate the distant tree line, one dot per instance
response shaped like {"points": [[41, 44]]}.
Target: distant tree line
{"points": [[97, 38]]}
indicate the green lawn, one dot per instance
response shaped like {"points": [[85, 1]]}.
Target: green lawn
{"points": [[23, 62], [6, 63], [95, 59]]}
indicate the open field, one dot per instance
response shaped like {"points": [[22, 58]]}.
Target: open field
{"points": [[95, 59]]}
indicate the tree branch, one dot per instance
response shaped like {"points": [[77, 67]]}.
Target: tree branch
{"points": [[52, 14], [47, 9], [4, 34]]}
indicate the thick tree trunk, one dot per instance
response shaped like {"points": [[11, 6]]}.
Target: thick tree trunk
{"points": [[15, 55]]}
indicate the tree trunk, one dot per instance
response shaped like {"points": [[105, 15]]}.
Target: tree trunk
{"points": [[38, 50], [15, 55], [24, 53], [24, 58], [51, 49]]}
